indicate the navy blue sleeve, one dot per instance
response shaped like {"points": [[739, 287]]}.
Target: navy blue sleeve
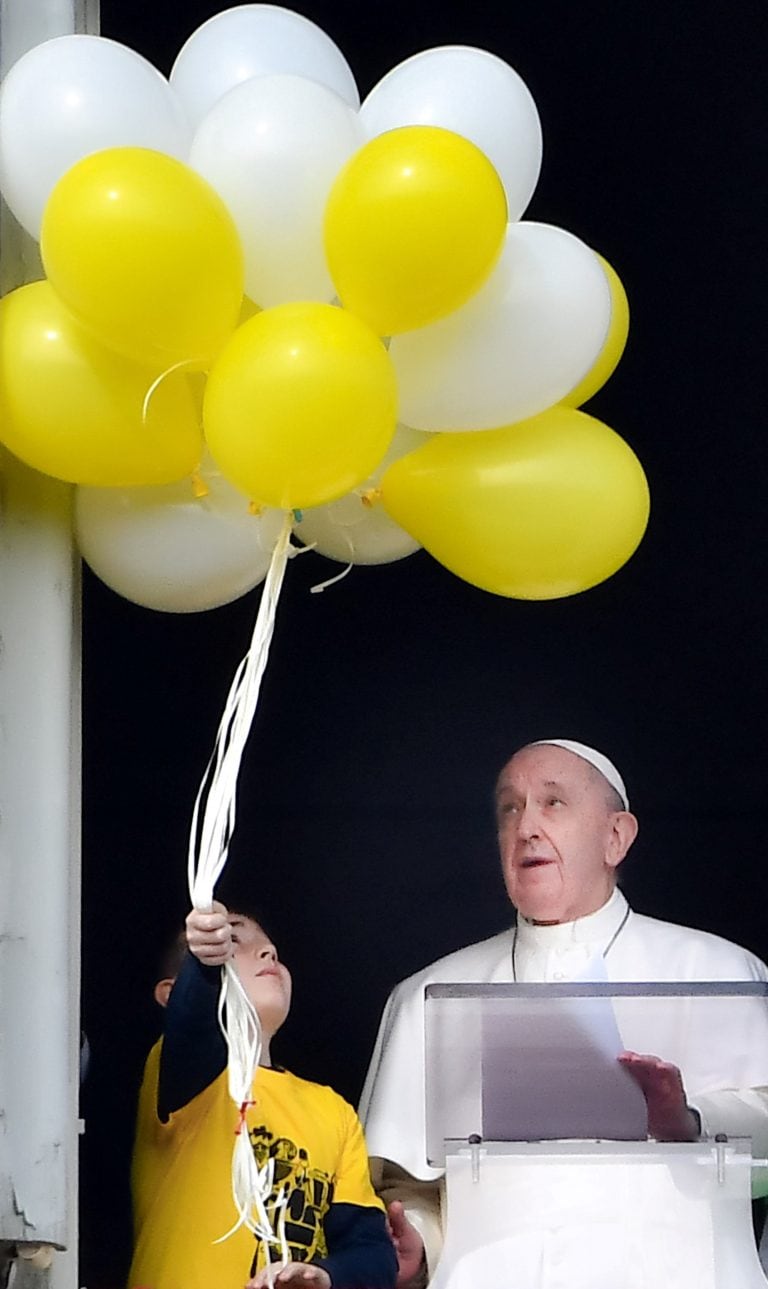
{"points": [[361, 1254], [193, 1052]]}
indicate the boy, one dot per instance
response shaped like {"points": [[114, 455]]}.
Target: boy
{"points": [[334, 1225]]}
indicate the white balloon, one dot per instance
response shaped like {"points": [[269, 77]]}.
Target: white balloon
{"points": [[473, 93], [519, 345], [272, 148], [256, 40], [71, 96], [166, 549], [372, 537], [356, 529]]}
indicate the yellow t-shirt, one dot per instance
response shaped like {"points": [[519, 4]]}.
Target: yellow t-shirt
{"points": [[181, 1177]]}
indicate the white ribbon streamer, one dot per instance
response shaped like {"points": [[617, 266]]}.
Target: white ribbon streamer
{"points": [[213, 824]]}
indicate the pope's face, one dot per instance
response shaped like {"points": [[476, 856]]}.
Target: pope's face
{"points": [[265, 979], [559, 839]]}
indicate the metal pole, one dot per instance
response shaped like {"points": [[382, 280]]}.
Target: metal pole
{"points": [[39, 805]]}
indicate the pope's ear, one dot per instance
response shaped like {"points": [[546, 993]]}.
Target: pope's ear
{"points": [[624, 827], [162, 991]]}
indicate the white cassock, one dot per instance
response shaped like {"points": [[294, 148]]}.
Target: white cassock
{"points": [[726, 1078]]}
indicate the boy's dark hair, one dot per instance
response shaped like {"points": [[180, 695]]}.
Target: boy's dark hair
{"points": [[238, 899], [171, 958]]}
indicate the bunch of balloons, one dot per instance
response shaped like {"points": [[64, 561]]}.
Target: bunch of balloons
{"points": [[262, 296]]}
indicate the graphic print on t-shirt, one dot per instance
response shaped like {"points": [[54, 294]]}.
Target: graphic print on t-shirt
{"points": [[308, 1193]]}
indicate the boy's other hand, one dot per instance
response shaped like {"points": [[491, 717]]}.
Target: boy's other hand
{"points": [[409, 1247], [209, 935], [302, 1275]]}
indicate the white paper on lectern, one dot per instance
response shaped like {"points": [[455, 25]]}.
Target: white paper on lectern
{"points": [[552, 1073]]}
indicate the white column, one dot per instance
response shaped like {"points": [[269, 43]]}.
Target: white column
{"points": [[39, 793]]}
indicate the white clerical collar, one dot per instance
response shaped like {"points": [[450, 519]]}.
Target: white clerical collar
{"points": [[568, 950], [593, 929]]}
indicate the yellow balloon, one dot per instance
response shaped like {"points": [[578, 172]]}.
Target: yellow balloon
{"points": [[535, 511], [197, 379], [608, 359], [146, 255], [301, 405], [414, 224], [75, 410]]}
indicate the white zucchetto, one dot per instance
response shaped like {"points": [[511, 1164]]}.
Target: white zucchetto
{"points": [[595, 758]]}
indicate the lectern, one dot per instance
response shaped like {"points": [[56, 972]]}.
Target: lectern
{"points": [[551, 1180]]}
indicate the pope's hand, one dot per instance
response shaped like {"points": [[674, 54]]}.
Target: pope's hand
{"points": [[409, 1246], [301, 1275], [670, 1118]]}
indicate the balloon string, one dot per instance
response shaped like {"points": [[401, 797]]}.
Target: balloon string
{"points": [[185, 362], [331, 581], [212, 827]]}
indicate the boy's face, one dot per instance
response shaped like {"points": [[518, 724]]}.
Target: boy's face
{"points": [[265, 979]]}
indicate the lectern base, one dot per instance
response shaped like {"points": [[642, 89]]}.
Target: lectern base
{"points": [[566, 1215]]}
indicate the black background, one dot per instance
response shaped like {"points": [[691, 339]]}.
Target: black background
{"points": [[390, 702]]}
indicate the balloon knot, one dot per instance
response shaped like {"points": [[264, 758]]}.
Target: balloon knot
{"points": [[370, 497], [298, 515], [254, 508]]}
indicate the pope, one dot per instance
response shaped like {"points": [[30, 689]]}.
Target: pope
{"points": [[564, 827]]}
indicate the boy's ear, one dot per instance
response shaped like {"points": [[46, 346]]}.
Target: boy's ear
{"points": [[162, 991]]}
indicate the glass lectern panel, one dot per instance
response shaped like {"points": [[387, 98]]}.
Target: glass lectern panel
{"points": [[538, 1062]]}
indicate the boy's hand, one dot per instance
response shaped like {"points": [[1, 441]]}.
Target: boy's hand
{"points": [[209, 935], [302, 1275], [409, 1247]]}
